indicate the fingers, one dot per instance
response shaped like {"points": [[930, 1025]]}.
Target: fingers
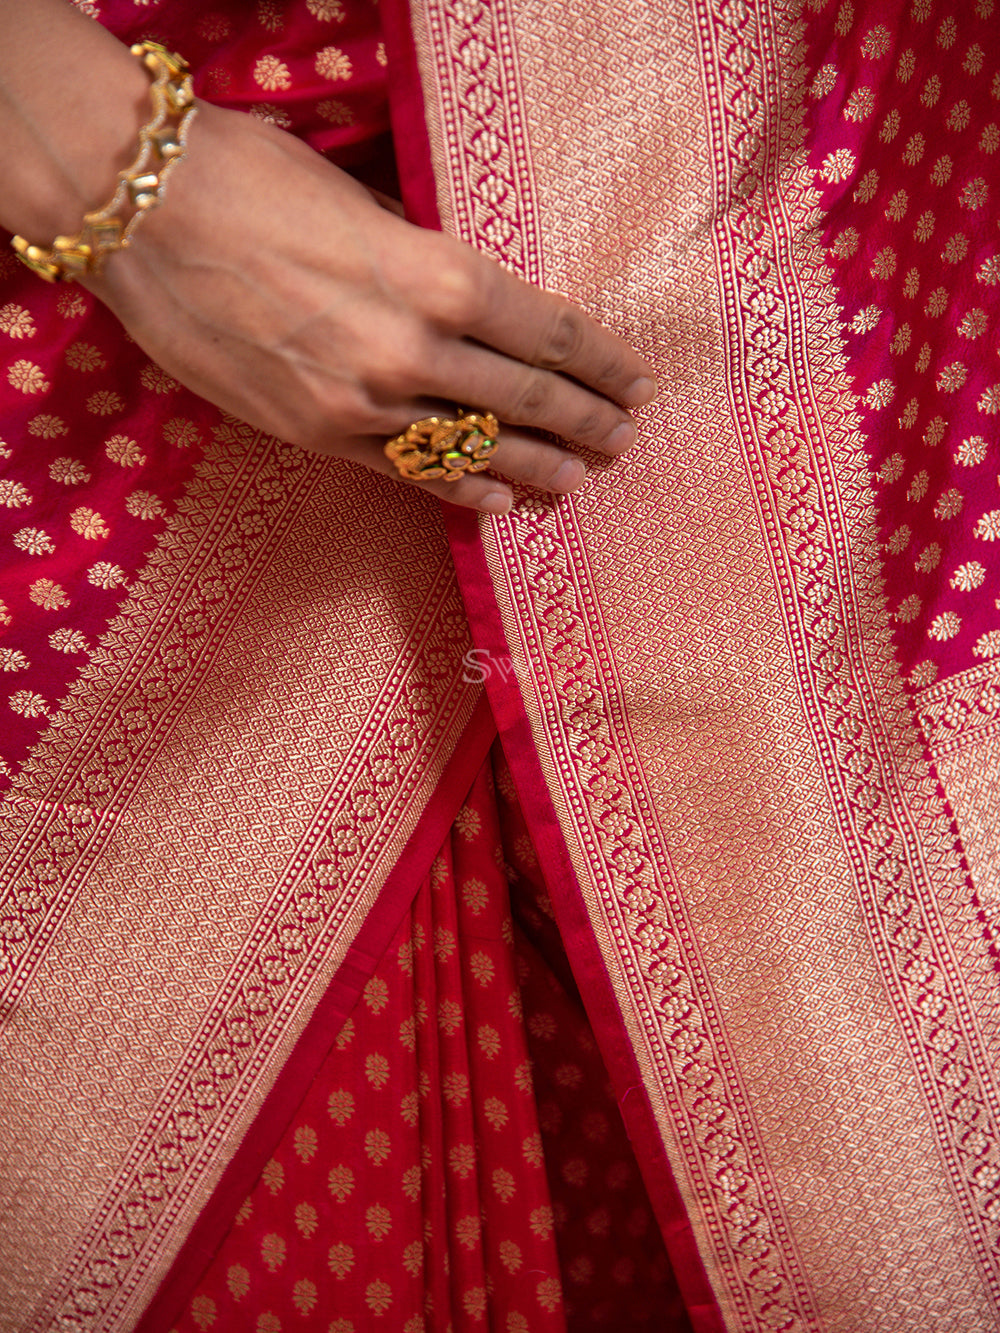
{"points": [[532, 462], [519, 458], [464, 295], [524, 395], [545, 331], [479, 491]]}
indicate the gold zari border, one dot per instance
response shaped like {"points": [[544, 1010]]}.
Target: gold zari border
{"points": [[961, 707], [775, 1232], [194, 845]]}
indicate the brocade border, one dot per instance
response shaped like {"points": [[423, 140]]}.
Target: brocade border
{"points": [[804, 453], [146, 669], [724, 1161], [53, 840], [490, 194], [959, 708]]}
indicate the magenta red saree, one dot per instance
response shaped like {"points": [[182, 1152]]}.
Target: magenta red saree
{"points": [[745, 684]]}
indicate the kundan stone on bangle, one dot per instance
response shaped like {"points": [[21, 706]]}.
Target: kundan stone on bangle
{"points": [[443, 448], [162, 141]]}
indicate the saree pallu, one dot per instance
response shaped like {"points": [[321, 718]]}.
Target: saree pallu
{"points": [[745, 681]]}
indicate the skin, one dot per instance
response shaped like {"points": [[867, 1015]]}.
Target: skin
{"points": [[277, 287]]}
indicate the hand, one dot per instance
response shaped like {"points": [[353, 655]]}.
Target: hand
{"points": [[275, 286]]}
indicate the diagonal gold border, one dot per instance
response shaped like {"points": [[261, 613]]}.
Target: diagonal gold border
{"points": [[960, 720], [195, 844]]}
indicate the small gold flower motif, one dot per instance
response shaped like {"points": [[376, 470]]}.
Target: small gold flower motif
{"points": [[333, 63], [27, 377], [272, 74]]}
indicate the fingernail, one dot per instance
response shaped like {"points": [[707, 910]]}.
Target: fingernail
{"points": [[640, 392], [621, 438], [570, 476], [497, 502]]}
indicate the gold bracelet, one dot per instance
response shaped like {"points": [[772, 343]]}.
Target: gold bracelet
{"points": [[162, 143]]}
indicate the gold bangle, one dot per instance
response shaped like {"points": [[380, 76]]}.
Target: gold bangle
{"points": [[162, 142]]}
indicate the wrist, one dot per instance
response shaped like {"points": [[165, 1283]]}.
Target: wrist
{"points": [[160, 146], [70, 114]]}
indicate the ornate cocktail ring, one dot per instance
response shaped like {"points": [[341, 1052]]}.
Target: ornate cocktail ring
{"points": [[442, 448]]}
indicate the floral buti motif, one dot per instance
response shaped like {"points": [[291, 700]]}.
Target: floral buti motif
{"points": [[905, 138]]}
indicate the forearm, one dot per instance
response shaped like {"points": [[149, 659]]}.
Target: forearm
{"points": [[273, 284], [72, 100]]}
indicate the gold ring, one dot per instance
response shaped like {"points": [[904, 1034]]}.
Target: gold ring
{"points": [[440, 448]]}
